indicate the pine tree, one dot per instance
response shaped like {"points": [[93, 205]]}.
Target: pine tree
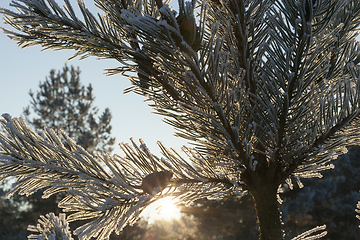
{"points": [[268, 91], [63, 103]]}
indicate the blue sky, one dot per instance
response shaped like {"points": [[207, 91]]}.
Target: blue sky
{"points": [[23, 69]]}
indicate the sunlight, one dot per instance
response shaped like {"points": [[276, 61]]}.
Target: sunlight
{"points": [[163, 209], [167, 209]]}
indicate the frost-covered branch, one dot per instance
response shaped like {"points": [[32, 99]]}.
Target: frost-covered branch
{"points": [[107, 190], [309, 235], [357, 210], [51, 227], [258, 69]]}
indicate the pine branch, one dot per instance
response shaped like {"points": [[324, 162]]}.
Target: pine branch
{"points": [[107, 190], [53, 28], [51, 227], [329, 138], [310, 234]]}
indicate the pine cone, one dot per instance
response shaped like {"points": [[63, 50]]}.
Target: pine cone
{"points": [[190, 31], [156, 182]]}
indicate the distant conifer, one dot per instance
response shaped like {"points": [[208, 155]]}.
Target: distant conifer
{"points": [[62, 102]]}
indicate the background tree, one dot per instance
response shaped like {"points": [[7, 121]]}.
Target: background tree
{"points": [[329, 200], [229, 218], [266, 90], [63, 103]]}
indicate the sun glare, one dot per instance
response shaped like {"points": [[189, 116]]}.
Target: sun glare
{"points": [[164, 209]]}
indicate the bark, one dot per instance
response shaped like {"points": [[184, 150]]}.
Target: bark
{"points": [[267, 212]]}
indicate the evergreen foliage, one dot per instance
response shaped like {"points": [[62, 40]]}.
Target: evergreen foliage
{"points": [[265, 90], [51, 227], [63, 103]]}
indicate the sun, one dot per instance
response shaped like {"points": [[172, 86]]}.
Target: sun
{"points": [[167, 209], [164, 209]]}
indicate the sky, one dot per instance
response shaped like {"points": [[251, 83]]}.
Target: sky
{"points": [[23, 69]]}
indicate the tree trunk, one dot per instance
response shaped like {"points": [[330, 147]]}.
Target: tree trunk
{"points": [[267, 211]]}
